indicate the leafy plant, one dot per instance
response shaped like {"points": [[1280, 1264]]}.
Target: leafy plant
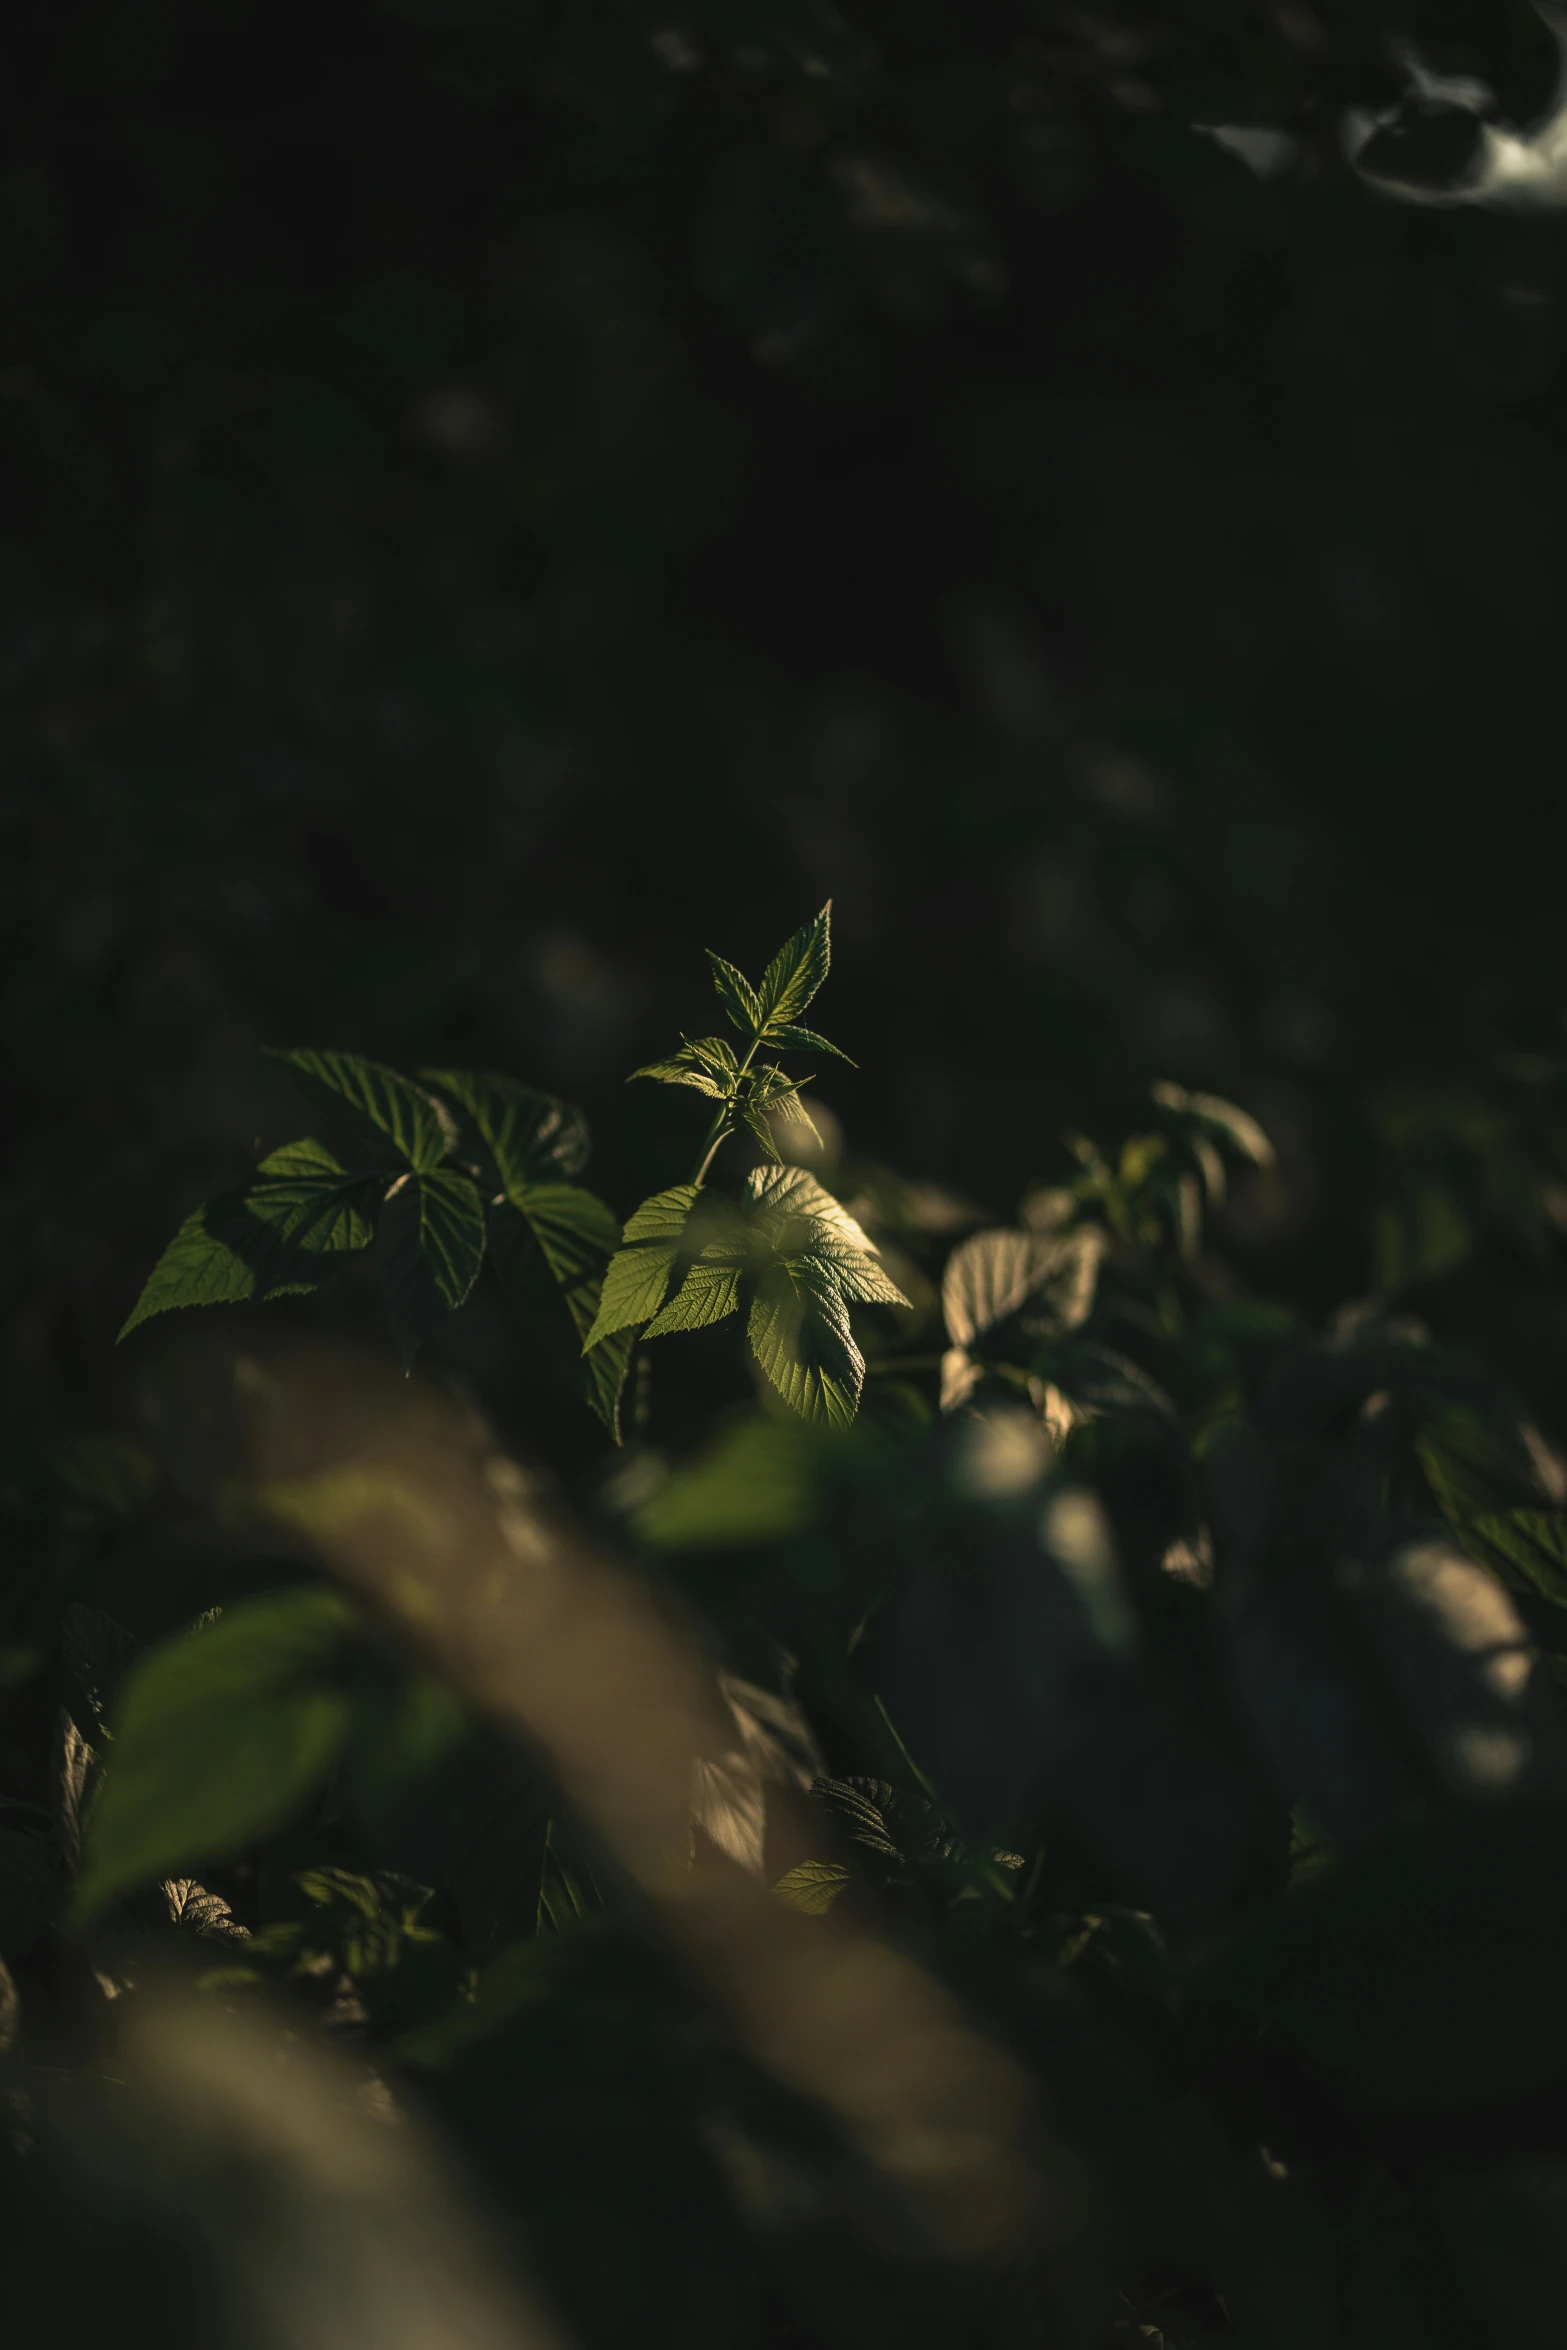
{"points": [[1175, 1684], [462, 1160]]}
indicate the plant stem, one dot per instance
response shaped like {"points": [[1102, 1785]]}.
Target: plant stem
{"points": [[723, 1126]]}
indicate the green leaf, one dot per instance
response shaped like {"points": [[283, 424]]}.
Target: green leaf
{"points": [[407, 1117], [531, 1137], [575, 1232], [219, 1737], [196, 1269], [703, 1062], [567, 1893], [604, 1369], [795, 973], [638, 1274], [787, 1193], [708, 1293], [1042, 1280], [760, 1482], [736, 994], [810, 1260], [800, 1336], [1197, 1114], [269, 1240], [429, 1247], [812, 1886], [311, 1201], [1527, 1547], [777, 1096], [766, 1140], [805, 1040]]}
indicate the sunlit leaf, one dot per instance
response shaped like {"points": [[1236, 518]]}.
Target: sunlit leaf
{"points": [[997, 1277], [707, 1295], [407, 1117], [805, 1040], [429, 1246], [1205, 1114], [638, 1274], [800, 1336], [796, 972], [736, 994], [219, 1736], [812, 1886]]}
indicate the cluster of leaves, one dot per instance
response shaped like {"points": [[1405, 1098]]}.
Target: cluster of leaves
{"points": [[1180, 1683], [463, 1161]]}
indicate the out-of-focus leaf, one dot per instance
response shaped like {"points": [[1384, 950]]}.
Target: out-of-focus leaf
{"points": [[397, 1108], [429, 1247], [1008, 1656], [1467, 1680], [1477, 1466], [773, 1731], [998, 1276], [1301, 1681], [1527, 1547], [95, 1652], [1200, 1115], [531, 1137], [1417, 1978], [196, 1911], [729, 1808], [219, 1735], [73, 1758], [567, 1893], [812, 1886], [758, 1482], [27, 1886]]}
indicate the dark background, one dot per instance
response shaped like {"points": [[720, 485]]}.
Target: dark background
{"points": [[501, 497]]}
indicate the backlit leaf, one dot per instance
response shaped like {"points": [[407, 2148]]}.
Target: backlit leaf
{"points": [[637, 1276], [812, 1886], [796, 972], [708, 1293], [736, 994], [800, 1336], [995, 1276], [805, 1040], [703, 1062], [407, 1117]]}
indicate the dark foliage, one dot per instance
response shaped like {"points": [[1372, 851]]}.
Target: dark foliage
{"points": [[969, 1754]]}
